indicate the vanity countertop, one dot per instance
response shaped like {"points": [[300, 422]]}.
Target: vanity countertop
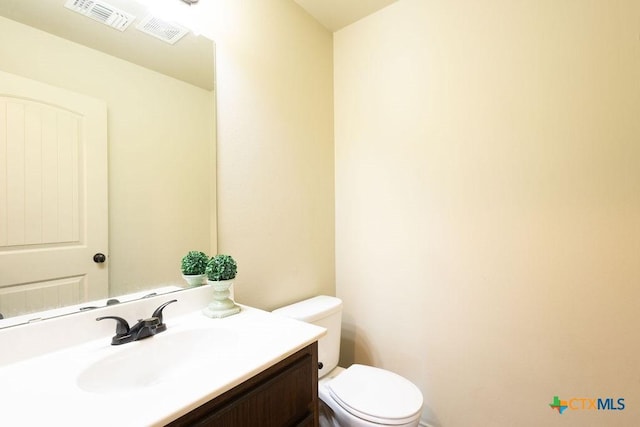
{"points": [[49, 389]]}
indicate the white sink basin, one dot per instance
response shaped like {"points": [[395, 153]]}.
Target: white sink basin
{"points": [[161, 358]]}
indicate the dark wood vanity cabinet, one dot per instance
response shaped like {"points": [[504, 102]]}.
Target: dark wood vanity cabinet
{"points": [[283, 395]]}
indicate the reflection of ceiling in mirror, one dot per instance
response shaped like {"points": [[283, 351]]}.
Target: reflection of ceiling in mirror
{"points": [[190, 59]]}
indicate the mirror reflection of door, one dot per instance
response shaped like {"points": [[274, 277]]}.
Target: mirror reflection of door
{"points": [[53, 197]]}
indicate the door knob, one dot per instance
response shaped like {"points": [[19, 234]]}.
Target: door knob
{"points": [[99, 258]]}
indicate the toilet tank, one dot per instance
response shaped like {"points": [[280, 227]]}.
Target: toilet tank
{"points": [[326, 312]]}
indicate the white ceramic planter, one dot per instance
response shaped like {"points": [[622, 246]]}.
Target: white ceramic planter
{"points": [[194, 280], [222, 305]]}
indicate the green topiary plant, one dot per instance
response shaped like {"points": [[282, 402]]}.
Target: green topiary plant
{"points": [[221, 267], [194, 262]]}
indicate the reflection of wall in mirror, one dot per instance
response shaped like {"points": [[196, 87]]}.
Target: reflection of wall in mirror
{"points": [[161, 152]]}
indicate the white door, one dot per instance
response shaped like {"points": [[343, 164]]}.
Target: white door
{"points": [[53, 196]]}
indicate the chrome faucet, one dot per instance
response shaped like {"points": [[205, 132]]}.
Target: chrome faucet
{"points": [[142, 329]]}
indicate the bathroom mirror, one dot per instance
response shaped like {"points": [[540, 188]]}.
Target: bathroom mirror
{"points": [[160, 107]]}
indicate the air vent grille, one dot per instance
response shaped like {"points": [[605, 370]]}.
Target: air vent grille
{"points": [[167, 31], [102, 12]]}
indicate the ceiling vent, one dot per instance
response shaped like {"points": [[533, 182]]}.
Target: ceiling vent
{"points": [[102, 12], [166, 31]]}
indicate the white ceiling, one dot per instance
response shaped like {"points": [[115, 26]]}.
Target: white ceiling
{"points": [[336, 14], [191, 59]]}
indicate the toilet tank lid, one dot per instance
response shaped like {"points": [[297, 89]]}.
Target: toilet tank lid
{"points": [[311, 309]]}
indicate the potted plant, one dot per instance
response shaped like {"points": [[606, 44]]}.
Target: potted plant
{"points": [[220, 271], [221, 267], [193, 266]]}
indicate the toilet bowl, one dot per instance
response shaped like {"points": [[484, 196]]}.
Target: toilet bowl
{"points": [[364, 396], [360, 395]]}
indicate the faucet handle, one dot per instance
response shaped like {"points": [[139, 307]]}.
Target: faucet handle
{"points": [[122, 328], [158, 311], [157, 314]]}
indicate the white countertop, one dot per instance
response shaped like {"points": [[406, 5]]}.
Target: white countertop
{"points": [[44, 390]]}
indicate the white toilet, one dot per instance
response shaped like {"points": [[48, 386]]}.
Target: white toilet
{"points": [[358, 396]]}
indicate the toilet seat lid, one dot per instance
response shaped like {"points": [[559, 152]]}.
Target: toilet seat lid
{"points": [[376, 395]]}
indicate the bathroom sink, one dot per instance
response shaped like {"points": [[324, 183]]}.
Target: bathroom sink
{"points": [[73, 378], [158, 359]]}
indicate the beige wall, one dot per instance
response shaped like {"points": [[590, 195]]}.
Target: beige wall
{"points": [[488, 204], [161, 153], [275, 150]]}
